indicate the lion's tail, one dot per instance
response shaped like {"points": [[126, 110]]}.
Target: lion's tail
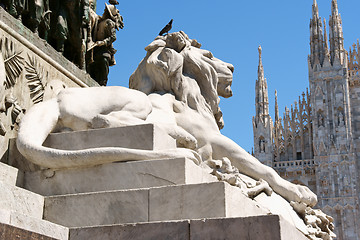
{"points": [[41, 119], [35, 126]]}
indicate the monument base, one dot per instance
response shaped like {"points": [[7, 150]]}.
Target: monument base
{"points": [[248, 228], [149, 199]]}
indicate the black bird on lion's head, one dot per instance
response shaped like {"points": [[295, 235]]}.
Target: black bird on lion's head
{"points": [[166, 29]]}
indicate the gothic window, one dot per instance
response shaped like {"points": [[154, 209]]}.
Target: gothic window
{"points": [[290, 151], [282, 156]]}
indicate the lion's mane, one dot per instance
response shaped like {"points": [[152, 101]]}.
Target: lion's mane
{"points": [[175, 64]]}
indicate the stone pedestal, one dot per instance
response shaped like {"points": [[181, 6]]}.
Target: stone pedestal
{"points": [[271, 227], [151, 199], [145, 137]]}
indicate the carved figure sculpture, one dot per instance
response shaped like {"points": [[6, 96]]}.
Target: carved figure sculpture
{"points": [[69, 31], [15, 7], [103, 50], [179, 86], [38, 14]]}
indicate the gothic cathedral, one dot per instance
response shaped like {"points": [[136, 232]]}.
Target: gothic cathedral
{"points": [[317, 142]]}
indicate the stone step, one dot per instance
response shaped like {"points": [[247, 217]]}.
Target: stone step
{"points": [[272, 227], [145, 137], [117, 176], [8, 174], [19, 200], [31, 228], [207, 200]]}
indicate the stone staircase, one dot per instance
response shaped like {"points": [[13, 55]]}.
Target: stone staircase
{"points": [[154, 199], [21, 211]]}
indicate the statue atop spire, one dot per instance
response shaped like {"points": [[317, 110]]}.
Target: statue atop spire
{"points": [[337, 50], [315, 10], [334, 7], [260, 67]]}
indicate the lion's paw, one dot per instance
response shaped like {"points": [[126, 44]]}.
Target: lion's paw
{"points": [[187, 142], [302, 194], [190, 154]]}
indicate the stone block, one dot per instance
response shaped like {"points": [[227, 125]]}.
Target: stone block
{"points": [[102, 208], [195, 201], [248, 228], [11, 232], [208, 200], [117, 176], [156, 230], [145, 137], [34, 225], [20, 200], [8, 174]]}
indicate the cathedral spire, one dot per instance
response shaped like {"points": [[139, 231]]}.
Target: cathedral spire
{"points": [[316, 37], [334, 7], [260, 67], [261, 99], [337, 51], [277, 106], [315, 10]]}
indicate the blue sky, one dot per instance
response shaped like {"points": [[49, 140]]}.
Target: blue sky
{"points": [[233, 30]]}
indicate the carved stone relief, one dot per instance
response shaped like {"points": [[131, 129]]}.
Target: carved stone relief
{"points": [[24, 76], [34, 75]]}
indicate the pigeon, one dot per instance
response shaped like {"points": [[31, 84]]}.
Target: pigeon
{"points": [[166, 29], [113, 2]]}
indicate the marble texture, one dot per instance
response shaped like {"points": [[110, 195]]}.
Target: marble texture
{"points": [[101, 208], [35, 225], [116, 176], [250, 228], [145, 136], [207, 200], [247, 228], [8, 174], [19, 200], [154, 230]]}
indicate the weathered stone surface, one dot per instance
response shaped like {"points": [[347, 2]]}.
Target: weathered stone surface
{"points": [[10, 232], [117, 176], [249, 228], [35, 225], [8, 174], [102, 208], [146, 137], [194, 201], [15, 159], [159, 230], [20, 200], [209, 200]]}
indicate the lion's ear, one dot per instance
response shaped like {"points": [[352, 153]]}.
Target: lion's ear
{"points": [[155, 45]]}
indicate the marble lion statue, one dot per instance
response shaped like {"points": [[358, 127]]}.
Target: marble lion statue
{"points": [[177, 87]]}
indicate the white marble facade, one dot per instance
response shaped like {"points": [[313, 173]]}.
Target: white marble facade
{"points": [[316, 143]]}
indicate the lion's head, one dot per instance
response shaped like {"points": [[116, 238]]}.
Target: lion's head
{"points": [[175, 64]]}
